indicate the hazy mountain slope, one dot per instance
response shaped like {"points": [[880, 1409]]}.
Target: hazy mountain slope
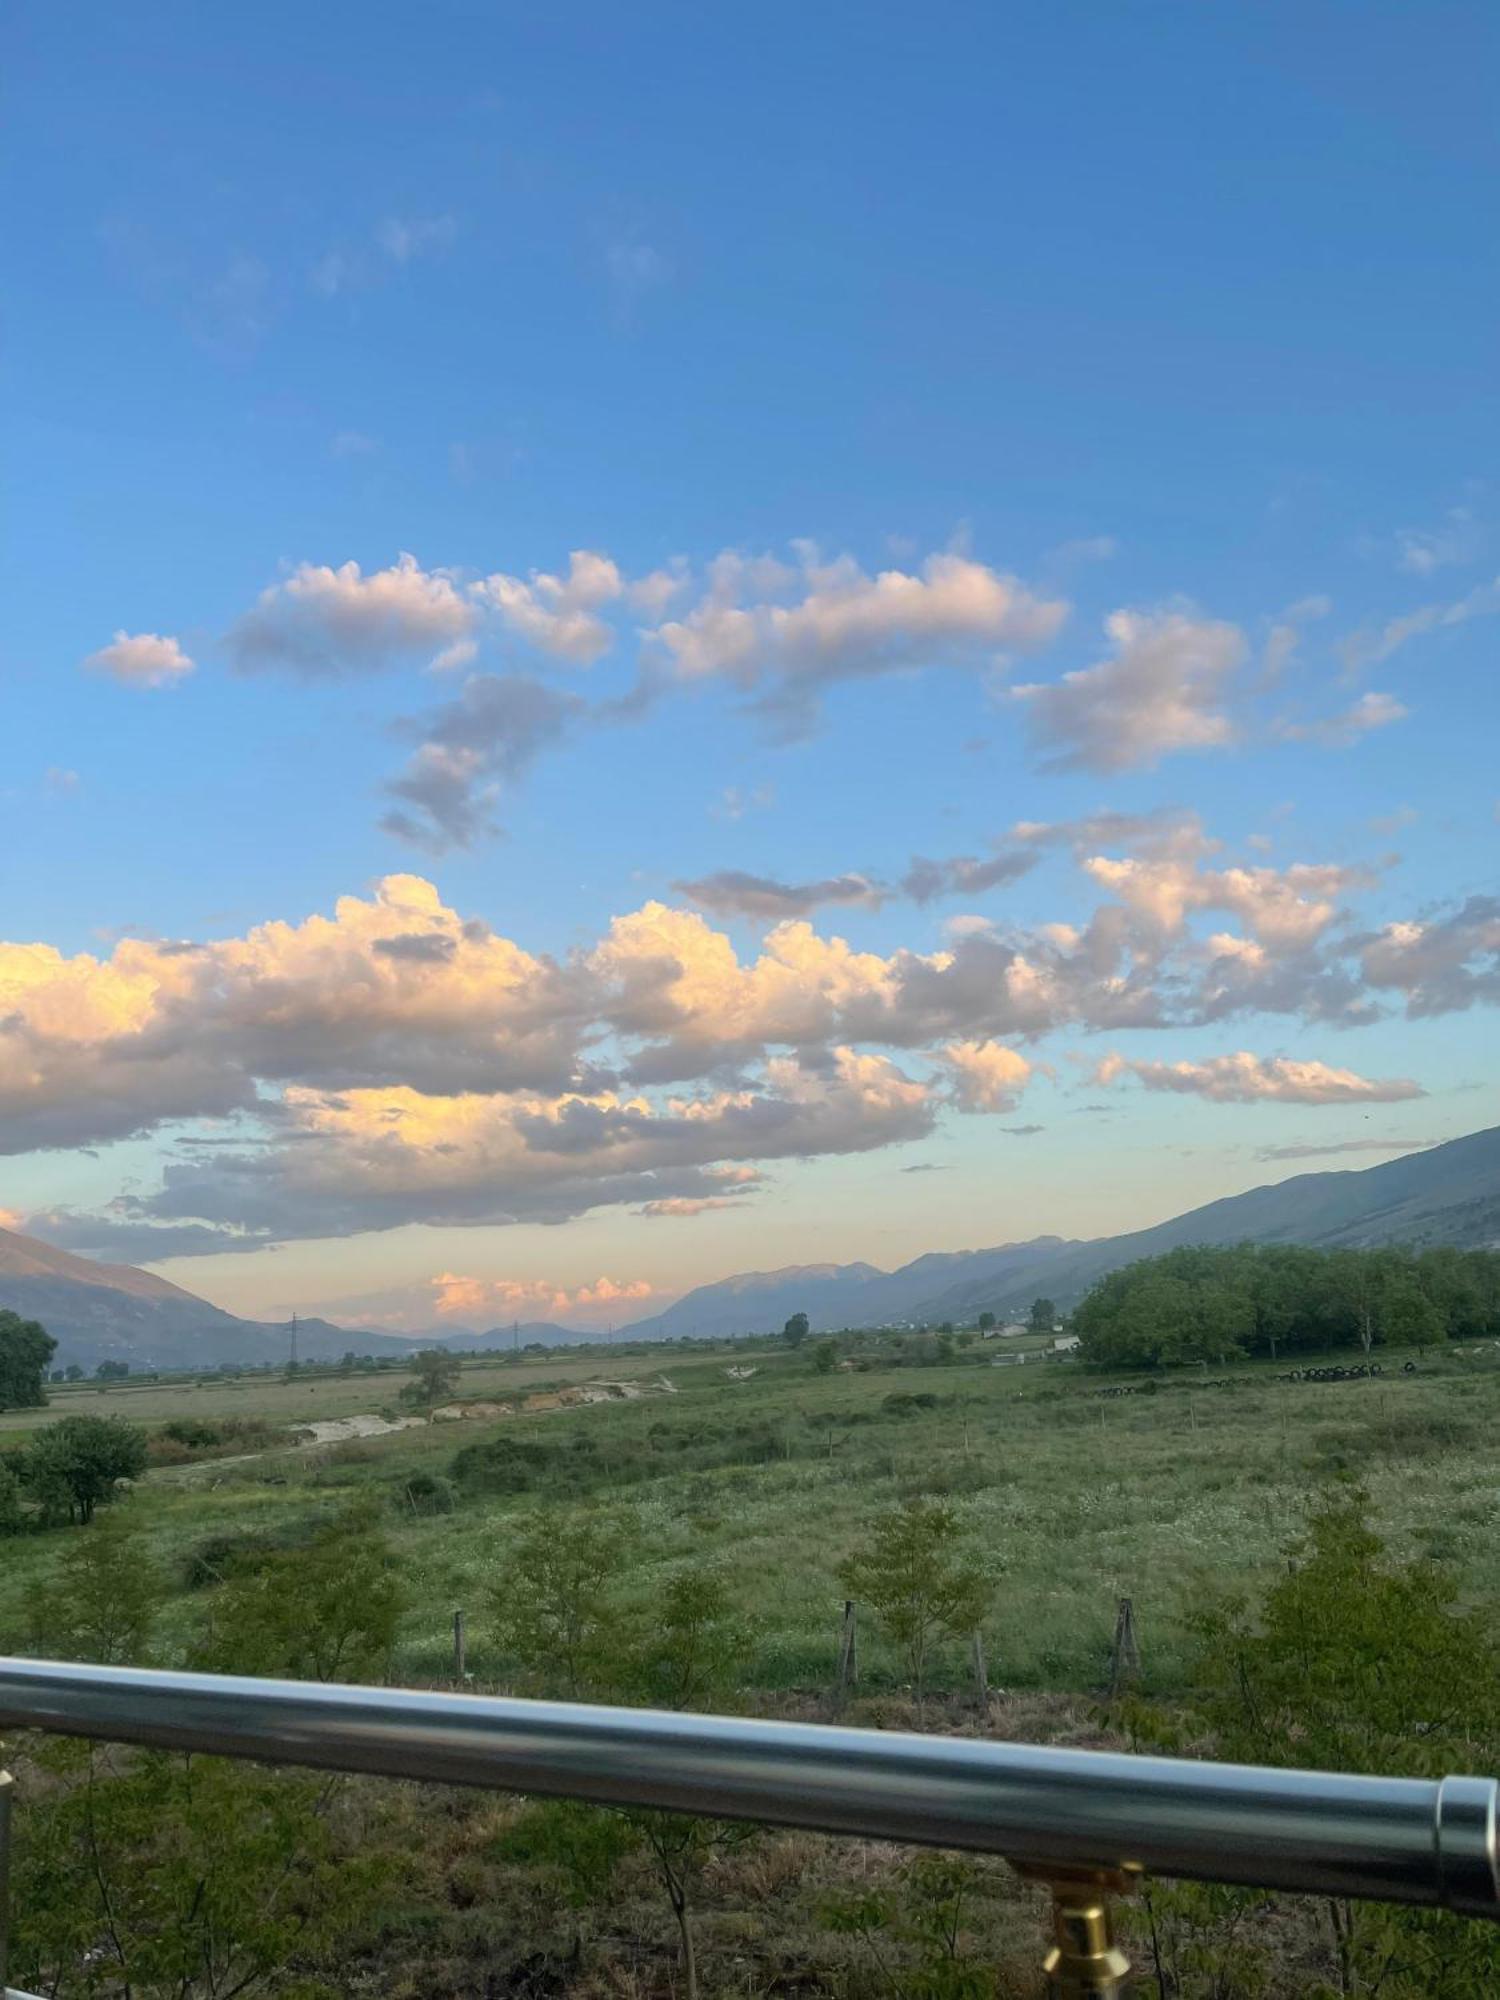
{"points": [[758, 1301], [1448, 1194]]}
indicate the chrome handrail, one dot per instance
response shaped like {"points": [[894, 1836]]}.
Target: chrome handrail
{"points": [[1083, 1815]]}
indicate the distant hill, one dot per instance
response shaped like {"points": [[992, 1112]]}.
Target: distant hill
{"points": [[114, 1312], [1448, 1194]]}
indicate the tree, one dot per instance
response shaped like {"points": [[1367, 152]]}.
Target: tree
{"points": [[1043, 1316], [26, 1347], [691, 1641], [326, 1612], [555, 1609], [12, 1515], [920, 1580], [435, 1377], [73, 1466], [112, 1371], [796, 1330], [689, 1647], [825, 1357], [1355, 1662], [986, 1322], [199, 1878], [100, 1601], [73, 1373]]}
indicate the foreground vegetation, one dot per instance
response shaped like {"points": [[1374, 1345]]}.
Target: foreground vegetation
{"points": [[695, 1548]]}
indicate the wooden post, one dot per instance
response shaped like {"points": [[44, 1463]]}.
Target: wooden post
{"points": [[1125, 1655], [981, 1679], [458, 1646], [848, 1654]]}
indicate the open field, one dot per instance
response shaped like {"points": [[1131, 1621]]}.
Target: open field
{"points": [[308, 1396], [1076, 1498]]}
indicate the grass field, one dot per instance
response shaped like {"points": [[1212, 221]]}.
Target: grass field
{"points": [[1074, 1498], [307, 1396]]}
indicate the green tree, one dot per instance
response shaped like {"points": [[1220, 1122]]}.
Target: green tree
{"points": [[326, 1612], [12, 1514], [112, 1371], [825, 1357], [1355, 1662], [556, 1609], [986, 1322], [157, 1875], [73, 1466], [26, 1347], [796, 1330], [691, 1641], [434, 1378], [690, 1644], [100, 1600], [920, 1578], [72, 1373], [1043, 1317]]}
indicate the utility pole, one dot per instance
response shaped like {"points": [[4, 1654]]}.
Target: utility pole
{"points": [[292, 1357], [515, 1336]]}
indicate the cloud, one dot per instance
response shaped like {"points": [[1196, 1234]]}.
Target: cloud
{"points": [[1244, 1078], [1316, 1151], [987, 1076], [352, 444], [405, 238], [1162, 691], [1371, 711], [60, 781], [326, 624], [961, 875], [141, 659], [466, 748], [732, 893], [1459, 539], [788, 632], [1371, 645], [682, 1205], [478, 1298], [558, 614], [379, 1158], [1442, 965], [94, 1049]]}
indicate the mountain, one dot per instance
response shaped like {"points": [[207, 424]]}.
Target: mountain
{"points": [[1448, 1194], [114, 1312]]}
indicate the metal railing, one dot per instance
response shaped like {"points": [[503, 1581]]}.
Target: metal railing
{"points": [[1085, 1822]]}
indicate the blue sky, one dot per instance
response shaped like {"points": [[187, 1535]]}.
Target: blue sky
{"points": [[879, 369]]}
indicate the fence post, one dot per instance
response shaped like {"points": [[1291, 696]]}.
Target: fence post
{"points": [[1125, 1655], [458, 1646], [981, 1679], [848, 1655]]}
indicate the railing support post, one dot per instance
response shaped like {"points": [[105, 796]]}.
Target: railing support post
{"points": [[1084, 1963], [7, 1786]]}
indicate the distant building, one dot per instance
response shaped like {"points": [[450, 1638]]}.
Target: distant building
{"points": [[1064, 1343]]}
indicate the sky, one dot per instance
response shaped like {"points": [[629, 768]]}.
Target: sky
{"points": [[645, 643]]}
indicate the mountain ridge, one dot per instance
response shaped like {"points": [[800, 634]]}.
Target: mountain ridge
{"points": [[1444, 1194]]}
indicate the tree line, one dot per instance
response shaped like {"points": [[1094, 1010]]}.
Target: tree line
{"points": [[1200, 1303]]}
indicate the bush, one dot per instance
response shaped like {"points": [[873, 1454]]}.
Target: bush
{"points": [[424, 1493]]}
